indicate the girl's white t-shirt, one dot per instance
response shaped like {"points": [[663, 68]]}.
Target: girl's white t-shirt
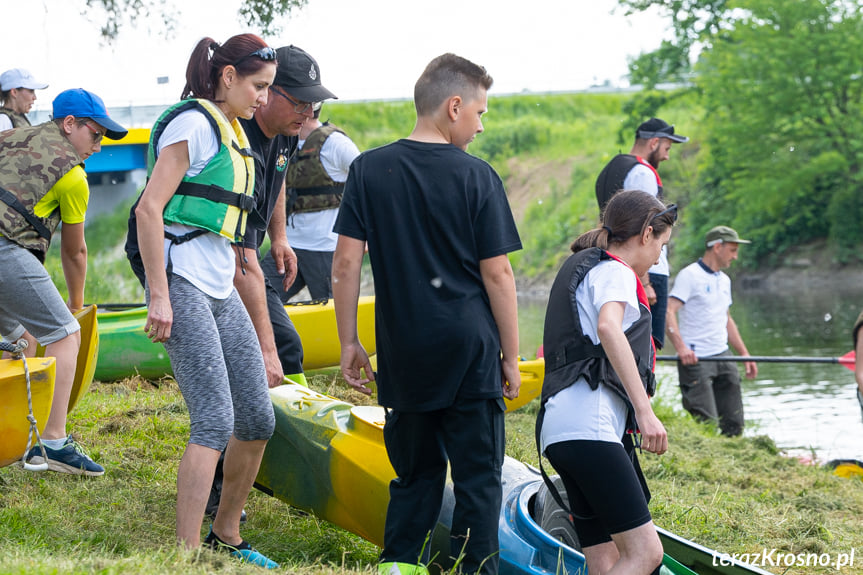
{"points": [[207, 261], [578, 412]]}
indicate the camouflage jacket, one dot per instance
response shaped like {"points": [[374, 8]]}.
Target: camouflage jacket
{"points": [[32, 160], [307, 182], [18, 120]]}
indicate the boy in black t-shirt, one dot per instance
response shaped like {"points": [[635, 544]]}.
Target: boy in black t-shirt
{"points": [[439, 228]]}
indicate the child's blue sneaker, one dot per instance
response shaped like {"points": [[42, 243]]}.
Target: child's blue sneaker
{"points": [[243, 551], [68, 459]]}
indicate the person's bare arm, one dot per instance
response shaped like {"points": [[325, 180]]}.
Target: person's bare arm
{"points": [[347, 266], [672, 330], [736, 342], [499, 282], [648, 288], [73, 256], [653, 435], [252, 289], [167, 173]]}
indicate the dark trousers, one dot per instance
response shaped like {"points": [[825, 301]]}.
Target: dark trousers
{"points": [[470, 434], [657, 310], [288, 343], [314, 269], [710, 391]]}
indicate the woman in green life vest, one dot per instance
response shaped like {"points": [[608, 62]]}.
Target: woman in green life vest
{"points": [[193, 208]]}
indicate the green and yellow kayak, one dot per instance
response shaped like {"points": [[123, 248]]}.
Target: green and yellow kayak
{"points": [[125, 351], [327, 457]]}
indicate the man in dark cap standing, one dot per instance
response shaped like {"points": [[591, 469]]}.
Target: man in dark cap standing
{"points": [[637, 170], [295, 94]]}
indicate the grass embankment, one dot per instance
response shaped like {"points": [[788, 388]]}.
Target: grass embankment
{"points": [[734, 495]]}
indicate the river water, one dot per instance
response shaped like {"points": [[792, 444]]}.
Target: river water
{"points": [[810, 410]]}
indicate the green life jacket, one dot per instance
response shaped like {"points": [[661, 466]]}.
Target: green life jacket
{"points": [[18, 120], [32, 160], [307, 181], [219, 198]]}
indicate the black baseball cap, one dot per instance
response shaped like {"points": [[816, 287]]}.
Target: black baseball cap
{"points": [[299, 74], [656, 128]]}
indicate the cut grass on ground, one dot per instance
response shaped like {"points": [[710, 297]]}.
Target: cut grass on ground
{"points": [[734, 495]]}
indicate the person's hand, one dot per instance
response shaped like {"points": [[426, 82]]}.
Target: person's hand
{"points": [[510, 378], [751, 369], [160, 317], [286, 262], [653, 435], [275, 375], [687, 357], [72, 308], [354, 361], [650, 293]]}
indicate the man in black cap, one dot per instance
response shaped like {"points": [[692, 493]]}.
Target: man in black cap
{"points": [[637, 170], [295, 94]]}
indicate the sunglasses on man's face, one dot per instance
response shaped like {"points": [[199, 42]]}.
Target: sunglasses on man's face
{"points": [[299, 107]]}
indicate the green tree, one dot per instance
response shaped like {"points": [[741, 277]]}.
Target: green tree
{"points": [[780, 83], [262, 15], [694, 23], [783, 97]]}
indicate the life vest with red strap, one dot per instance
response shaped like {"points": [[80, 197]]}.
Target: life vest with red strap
{"points": [[611, 178], [570, 354]]}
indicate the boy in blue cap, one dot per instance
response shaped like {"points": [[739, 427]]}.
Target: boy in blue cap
{"points": [[42, 183]]}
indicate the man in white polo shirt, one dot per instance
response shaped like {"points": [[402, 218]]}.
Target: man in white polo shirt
{"points": [[702, 297]]}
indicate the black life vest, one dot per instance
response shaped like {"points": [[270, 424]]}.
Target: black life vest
{"points": [[570, 354], [611, 178]]}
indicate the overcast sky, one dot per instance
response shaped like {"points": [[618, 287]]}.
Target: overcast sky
{"points": [[367, 49]]}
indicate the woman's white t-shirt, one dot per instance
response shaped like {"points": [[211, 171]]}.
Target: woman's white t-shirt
{"points": [[579, 412], [207, 261]]}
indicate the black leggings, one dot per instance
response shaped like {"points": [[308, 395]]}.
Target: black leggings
{"points": [[606, 494]]}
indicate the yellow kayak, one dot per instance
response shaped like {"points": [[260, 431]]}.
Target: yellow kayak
{"points": [[87, 354], [126, 351], [14, 427], [316, 324], [532, 373], [85, 368]]}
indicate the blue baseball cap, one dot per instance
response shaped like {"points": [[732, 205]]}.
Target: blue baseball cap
{"points": [[83, 104]]}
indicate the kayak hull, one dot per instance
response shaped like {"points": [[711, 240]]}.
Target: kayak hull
{"points": [[125, 350], [14, 426], [327, 457], [88, 353]]}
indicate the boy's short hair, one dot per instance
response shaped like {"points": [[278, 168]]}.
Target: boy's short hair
{"points": [[446, 76]]}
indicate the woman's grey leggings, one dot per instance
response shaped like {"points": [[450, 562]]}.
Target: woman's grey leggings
{"points": [[219, 367]]}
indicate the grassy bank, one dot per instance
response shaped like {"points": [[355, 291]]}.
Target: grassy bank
{"points": [[734, 495]]}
